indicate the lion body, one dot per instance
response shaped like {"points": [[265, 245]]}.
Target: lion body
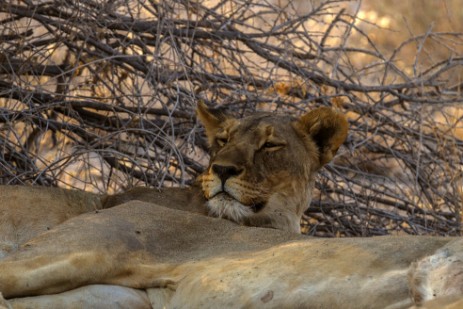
{"points": [[179, 259], [156, 249]]}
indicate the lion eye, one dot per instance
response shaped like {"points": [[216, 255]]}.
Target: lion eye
{"points": [[221, 141], [271, 146]]}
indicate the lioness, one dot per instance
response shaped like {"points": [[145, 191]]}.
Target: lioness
{"points": [[262, 167], [261, 173], [143, 255]]}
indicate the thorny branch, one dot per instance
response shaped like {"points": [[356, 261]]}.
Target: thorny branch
{"points": [[100, 95]]}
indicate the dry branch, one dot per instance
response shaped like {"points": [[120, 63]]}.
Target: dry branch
{"points": [[100, 95]]}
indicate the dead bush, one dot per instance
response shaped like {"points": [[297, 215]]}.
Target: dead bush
{"points": [[100, 95]]}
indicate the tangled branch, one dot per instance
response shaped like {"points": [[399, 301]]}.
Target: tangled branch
{"points": [[100, 95]]}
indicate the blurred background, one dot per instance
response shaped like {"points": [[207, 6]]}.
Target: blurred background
{"points": [[100, 96]]}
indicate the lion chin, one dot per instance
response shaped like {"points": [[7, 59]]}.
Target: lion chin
{"points": [[224, 205]]}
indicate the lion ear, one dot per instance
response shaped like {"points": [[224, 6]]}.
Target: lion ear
{"points": [[327, 128], [212, 120]]}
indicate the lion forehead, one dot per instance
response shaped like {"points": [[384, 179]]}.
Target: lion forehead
{"points": [[254, 129]]}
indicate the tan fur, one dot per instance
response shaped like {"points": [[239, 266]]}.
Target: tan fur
{"points": [[273, 159], [189, 199], [446, 302], [28, 211], [438, 275], [153, 254], [273, 186], [185, 260], [107, 296]]}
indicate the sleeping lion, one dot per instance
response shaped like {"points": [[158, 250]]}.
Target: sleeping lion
{"points": [[262, 167], [145, 251]]}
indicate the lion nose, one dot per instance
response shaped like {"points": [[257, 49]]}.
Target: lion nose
{"points": [[225, 172]]}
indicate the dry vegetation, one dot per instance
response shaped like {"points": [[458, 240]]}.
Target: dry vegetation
{"points": [[100, 95]]}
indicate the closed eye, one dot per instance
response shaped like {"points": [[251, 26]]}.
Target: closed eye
{"points": [[269, 145], [272, 146]]}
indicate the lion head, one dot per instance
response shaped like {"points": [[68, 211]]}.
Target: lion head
{"points": [[262, 167]]}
